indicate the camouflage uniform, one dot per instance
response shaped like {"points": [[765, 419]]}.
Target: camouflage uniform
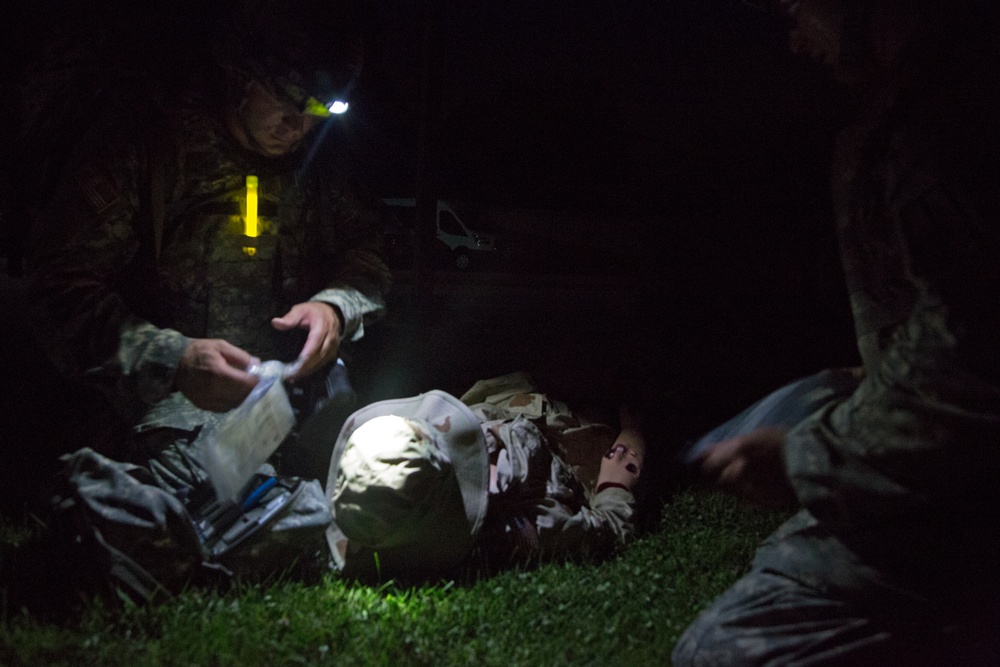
{"points": [[542, 498], [141, 249], [893, 559]]}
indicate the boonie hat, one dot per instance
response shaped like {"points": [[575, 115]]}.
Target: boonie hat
{"points": [[408, 486]]}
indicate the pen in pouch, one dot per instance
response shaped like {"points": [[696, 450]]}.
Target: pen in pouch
{"points": [[258, 493], [272, 508]]}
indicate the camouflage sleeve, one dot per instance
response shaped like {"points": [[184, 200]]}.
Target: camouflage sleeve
{"points": [[356, 305], [539, 507], [361, 277], [920, 434], [84, 238], [592, 530]]}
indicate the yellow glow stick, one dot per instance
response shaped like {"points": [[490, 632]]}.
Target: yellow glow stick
{"points": [[251, 219]]}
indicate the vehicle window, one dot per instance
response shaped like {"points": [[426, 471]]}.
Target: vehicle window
{"points": [[406, 215], [475, 218], [449, 225]]}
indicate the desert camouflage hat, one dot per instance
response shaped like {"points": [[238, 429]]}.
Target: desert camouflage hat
{"points": [[408, 486]]}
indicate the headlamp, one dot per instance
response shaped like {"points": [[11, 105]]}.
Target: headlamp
{"points": [[318, 94], [309, 52], [314, 107]]}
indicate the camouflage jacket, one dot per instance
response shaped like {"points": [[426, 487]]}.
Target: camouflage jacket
{"points": [[142, 247], [905, 471], [545, 463], [539, 509]]}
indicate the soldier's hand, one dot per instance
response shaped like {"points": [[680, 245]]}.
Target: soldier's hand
{"points": [[751, 466], [323, 340], [212, 375]]}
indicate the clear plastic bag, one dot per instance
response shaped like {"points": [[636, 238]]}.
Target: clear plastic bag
{"points": [[243, 439]]}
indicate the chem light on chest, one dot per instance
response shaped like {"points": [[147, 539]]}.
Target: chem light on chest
{"points": [[251, 224]]}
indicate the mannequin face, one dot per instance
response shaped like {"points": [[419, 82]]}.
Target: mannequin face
{"points": [[267, 125]]}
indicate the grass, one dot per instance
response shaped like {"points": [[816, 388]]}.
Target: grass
{"points": [[627, 611]]}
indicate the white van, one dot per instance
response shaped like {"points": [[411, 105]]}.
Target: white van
{"points": [[461, 242]]}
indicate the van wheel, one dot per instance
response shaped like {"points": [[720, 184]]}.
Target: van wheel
{"points": [[462, 260]]}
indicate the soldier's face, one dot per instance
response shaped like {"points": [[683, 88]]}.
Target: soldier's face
{"points": [[275, 126], [818, 29]]}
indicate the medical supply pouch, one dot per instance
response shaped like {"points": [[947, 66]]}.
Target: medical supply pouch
{"points": [[277, 520], [126, 535]]}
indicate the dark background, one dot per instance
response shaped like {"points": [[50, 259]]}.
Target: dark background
{"points": [[686, 125], [672, 108]]}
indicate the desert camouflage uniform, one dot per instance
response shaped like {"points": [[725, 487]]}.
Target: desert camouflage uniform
{"points": [[141, 249], [545, 462], [893, 560]]}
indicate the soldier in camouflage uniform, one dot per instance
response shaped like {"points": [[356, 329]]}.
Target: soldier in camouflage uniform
{"points": [[145, 285], [893, 558]]}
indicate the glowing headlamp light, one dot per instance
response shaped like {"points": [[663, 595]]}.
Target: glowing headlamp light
{"points": [[314, 107]]}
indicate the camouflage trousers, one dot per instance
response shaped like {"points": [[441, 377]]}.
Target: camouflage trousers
{"points": [[810, 600], [837, 610]]}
